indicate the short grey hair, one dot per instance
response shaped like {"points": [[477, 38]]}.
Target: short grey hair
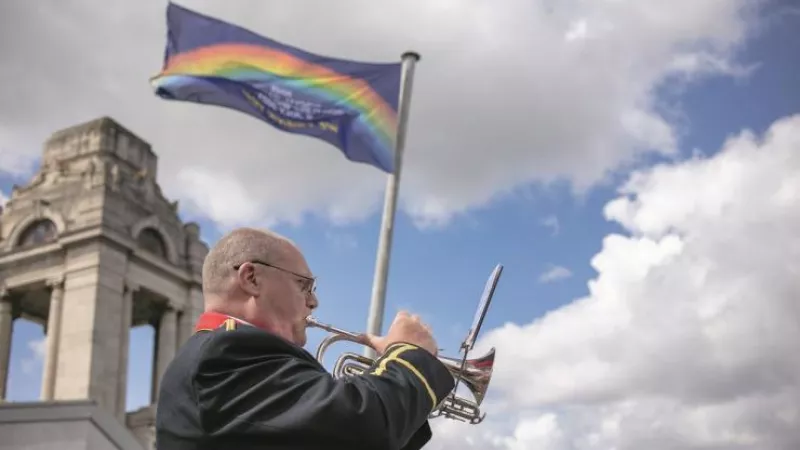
{"points": [[238, 246]]}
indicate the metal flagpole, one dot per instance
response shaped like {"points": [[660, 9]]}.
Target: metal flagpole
{"points": [[378, 302]]}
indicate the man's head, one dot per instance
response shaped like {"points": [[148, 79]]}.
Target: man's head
{"points": [[260, 277]]}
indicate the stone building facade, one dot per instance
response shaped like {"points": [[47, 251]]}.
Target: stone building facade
{"points": [[90, 248]]}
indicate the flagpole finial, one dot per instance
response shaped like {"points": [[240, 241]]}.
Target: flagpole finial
{"points": [[411, 54]]}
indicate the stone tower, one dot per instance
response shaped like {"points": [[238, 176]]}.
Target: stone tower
{"points": [[89, 248]]}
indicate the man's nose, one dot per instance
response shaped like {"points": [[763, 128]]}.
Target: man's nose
{"points": [[312, 302]]}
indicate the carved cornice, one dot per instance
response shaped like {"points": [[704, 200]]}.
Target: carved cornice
{"points": [[56, 281], [176, 306], [181, 274]]}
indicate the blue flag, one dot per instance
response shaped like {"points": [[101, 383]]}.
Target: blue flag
{"points": [[351, 105]]}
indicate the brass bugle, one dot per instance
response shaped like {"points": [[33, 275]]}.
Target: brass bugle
{"points": [[474, 373]]}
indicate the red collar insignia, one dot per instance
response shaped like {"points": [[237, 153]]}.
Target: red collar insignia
{"points": [[213, 320]]}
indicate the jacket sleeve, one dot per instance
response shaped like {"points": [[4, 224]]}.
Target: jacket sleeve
{"points": [[249, 386]]}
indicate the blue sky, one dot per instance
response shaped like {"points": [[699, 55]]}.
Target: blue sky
{"points": [[439, 272]]}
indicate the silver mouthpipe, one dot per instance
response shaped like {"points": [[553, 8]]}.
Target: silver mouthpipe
{"points": [[313, 322], [336, 335]]}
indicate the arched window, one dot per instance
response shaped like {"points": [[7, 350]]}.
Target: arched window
{"points": [[151, 240], [39, 232]]}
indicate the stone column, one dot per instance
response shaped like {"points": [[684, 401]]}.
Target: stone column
{"points": [[167, 345], [6, 328], [126, 316], [53, 339]]}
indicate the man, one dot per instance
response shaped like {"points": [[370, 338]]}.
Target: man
{"points": [[244, 381]]}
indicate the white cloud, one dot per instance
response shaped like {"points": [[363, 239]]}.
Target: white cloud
{"points": [[38, 347], [552, 223], [555, 273], [690, 334], [502, 97], [32, 363]]}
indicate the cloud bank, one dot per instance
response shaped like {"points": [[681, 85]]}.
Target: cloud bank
{"points": [[689, 336]]}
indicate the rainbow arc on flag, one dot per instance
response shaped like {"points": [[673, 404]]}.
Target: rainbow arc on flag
{"points": [[351, 105]]}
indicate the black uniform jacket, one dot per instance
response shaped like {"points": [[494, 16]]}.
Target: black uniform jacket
{"points": [[235, 386]]}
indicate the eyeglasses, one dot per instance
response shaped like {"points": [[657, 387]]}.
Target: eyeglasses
{"points": [[308, 285]]}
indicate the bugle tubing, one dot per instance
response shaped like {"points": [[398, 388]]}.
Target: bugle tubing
{"points": [[474, 373]]}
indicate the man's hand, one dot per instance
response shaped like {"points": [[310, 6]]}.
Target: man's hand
{"points": [[409, 329]]}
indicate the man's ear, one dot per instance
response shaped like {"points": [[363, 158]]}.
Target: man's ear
{"points": [[248, 280]]}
